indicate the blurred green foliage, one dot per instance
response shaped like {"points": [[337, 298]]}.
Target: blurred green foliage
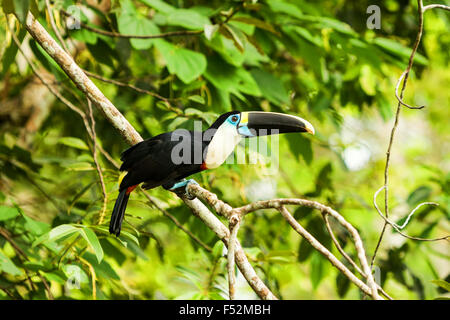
{"points": [[317, 60]]}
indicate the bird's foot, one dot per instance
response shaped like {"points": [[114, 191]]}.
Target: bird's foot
{"points": [[181, 188]]}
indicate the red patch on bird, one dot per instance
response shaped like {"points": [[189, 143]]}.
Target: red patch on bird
{"points": [[203, 166], [129, 189]]}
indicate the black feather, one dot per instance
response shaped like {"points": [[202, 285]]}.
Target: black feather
{"points": [[118, 212]]}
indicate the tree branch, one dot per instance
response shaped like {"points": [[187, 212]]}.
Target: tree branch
{"points": [[80, 79], [130, 135], [199, 209], [421, 9], [133, 36]]}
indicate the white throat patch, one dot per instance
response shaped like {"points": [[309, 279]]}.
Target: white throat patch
{"points": [[222, 145]]}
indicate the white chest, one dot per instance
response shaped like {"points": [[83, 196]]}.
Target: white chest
{"points": [[222, 145]]}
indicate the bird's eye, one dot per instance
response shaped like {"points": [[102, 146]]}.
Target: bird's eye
{"points": [[234, 118]]}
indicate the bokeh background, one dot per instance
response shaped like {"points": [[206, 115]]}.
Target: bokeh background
{"points": [[318, 60]]}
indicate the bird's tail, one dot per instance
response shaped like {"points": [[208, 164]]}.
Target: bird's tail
{"points": [[119, 212]]}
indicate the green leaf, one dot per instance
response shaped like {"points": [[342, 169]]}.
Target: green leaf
{"points": [[271, 87], [35, 227], [159, 5], [234, 34], [367, 80], [300, 146], [7, 213], [188, 19], [102, 269], [10, 53], [217, 250], [197, 98], [420, 194], [79, 166], [55, 276], [93, 242], [84, 35], [304, 251], [442, 283], [56, 233], [257, 23], [342, 284], [8, 266], [230, 79], [317, 269], [188, 65], [131, 23], [8, 6], [21, 9], [73, 142], [226, 48], [285, 7], [398, 49]]}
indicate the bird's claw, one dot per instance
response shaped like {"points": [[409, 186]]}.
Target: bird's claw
{"points": [[181, 188]]}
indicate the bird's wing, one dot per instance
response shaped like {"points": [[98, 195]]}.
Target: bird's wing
{"points": [[151, 161]]}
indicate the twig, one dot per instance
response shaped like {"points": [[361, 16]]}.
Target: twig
{"points": [[436, 6], [399, 97], [81, 80], [137, 89], [62, 99], [53, 24], [175, 221], [198, 208], [222, 232], [400, 100], [227, 211], [97, 165], [346, 256], [94, 278], [234, 227], [327, 254], [396, 226], [133, 36], [5, 234]]}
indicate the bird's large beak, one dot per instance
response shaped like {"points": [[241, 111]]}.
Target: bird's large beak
{"points": [[258, 123]]}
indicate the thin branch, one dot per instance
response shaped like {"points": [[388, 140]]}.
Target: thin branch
{"points": [[81, 80], [400, 100], [436, 6], [234, 227], [137, 89], [346, 256], [227, 211], [198, 208], [222, 232], [53, 24], [394, 128], [133, 36], [396, 226], [62, 99], [5, 234], [327, 254], [93, 276], [97, 165], [154, 203]]}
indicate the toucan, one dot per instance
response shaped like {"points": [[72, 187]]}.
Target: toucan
{"points": [[167, 159]]}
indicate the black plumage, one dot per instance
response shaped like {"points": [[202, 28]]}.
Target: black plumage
{"points": [[151, 162], [170, 157]]}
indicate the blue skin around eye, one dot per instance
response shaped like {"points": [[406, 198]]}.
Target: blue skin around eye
{"points": [[233, 122]]}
